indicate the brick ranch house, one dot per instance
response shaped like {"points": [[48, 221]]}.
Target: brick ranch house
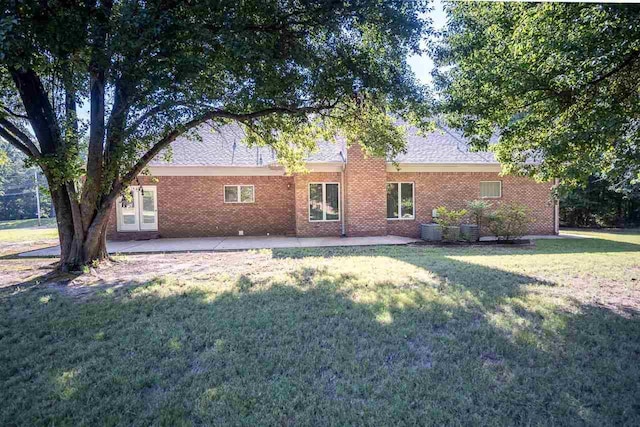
{"points": [[217, 186]]}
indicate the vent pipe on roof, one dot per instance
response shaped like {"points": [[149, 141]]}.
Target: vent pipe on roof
{"points": [[233, 152]]}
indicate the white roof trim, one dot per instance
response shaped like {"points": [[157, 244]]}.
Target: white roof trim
{"points": [[444, 167], [324, 166]]}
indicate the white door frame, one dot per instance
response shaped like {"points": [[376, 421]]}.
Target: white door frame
{"points": [[133, 210], [152, 226], [137, 209]]}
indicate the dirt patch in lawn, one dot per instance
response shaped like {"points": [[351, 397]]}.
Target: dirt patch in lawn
{"points": [[123, 270], [248, 269], [135, 270]]}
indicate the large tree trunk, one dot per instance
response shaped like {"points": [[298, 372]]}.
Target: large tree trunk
{"points": [[78, 248], [77, 253]]}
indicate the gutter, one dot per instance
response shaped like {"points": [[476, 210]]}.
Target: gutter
{"points": [[343, 231], [556, 210]]}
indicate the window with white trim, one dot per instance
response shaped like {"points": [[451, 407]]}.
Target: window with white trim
{"points": [[137, 210], [324, 201], [400, 200], [490, 189], [239, 194]]}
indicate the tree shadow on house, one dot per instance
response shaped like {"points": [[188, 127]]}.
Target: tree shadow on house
{"points": [[320, 346]]}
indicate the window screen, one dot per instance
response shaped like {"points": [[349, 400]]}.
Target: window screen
{"points": [[231, 194], [239, 194], [491, 189]]}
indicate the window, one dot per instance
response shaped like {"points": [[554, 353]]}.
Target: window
{"points": [[400, 203], [490, 189], [138, 210], [324, 201], [238, 194]]}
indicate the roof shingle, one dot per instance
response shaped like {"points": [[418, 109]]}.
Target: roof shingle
{"points": [[224, 146]]}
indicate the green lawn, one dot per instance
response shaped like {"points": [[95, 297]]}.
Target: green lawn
{"points": [[27, 230], [27, 223], [28, 234], [379, 335]]}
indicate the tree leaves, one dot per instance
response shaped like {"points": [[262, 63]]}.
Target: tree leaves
{"points": [[559, 82], [169, 63]]}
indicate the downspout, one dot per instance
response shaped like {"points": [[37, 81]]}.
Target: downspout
{"points": [[343, 231], [556, 210]]}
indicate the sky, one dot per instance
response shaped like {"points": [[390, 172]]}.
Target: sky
{"points": [[422, 64]]}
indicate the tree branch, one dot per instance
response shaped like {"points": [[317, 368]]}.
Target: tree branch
{"points": [[14, 114], [624, 64], [70, 104], [21, 136], [209, 115], [98, 66], [117, 119], [39, 110], [14, 141], [152, 112]]}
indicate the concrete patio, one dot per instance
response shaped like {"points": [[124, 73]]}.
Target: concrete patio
{"points": [[237, 243]]}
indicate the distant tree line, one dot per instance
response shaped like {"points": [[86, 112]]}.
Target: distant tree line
{"points": [[599, 205]]}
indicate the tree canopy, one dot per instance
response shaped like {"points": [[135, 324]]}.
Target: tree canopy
{"points": [[150, 71], [559, 82]]}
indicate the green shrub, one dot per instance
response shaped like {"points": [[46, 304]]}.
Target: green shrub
{"points": [[510, 221], [449, 218], [478, 210]]}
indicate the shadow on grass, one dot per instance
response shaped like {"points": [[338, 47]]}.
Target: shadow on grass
{"points": [[586, 245], [563, 246], [318, 347]]}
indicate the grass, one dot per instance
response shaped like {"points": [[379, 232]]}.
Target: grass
{"points": [[27, 234], [27, 223], [342, 336], [27, 230]]}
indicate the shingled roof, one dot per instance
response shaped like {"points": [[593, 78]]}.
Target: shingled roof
{"points": [[443, 145], [224, 146]]}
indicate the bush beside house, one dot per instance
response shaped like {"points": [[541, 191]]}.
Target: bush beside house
{"points": [[450, 221], [509, 221]]}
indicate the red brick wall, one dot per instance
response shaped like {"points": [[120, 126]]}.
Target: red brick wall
{"points": [[304, 227], [366, 197], [194, 207], [433, 189]]}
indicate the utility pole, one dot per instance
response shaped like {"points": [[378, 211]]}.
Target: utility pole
{"points": [[35, 175]]}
